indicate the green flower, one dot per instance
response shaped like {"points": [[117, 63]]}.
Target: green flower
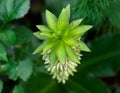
{"points": [[61, 44]]}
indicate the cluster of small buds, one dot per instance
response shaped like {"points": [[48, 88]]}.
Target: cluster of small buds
{"points": [[62, 71]]}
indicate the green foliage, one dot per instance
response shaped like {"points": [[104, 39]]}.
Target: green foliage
{"points": [[103, 61], [95, 11], [11, 69], [3, 55], [113, 13], [18, 89], [15, 60], [24, 69], [1, 86], [83, 84], [24, 39], [8, 37], [12, 9], [25, 72], [117, 90]]}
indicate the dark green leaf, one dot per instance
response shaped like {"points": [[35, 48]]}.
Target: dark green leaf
{"points": [[4, 67], [75, 87], [25, 68], [117, 90], [13, 9], [86, 84], [104, 60], [25, 42], [92, 12], [12, 70], [18, 89], [23, 34], [113, 13], [8, 37], [3, 55], [43, 83], [1, 86]]}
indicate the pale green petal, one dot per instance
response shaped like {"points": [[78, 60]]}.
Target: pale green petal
{"points": [[43, 28], [61, 53], [83, 47], [53, 57], [68, 10], [66, 31], [49, 45], [37, 34], [63, 20], [80, 30], [40, 48], [47, 34], [69, 40], [71, 54], [51, 20], [75, 23]]}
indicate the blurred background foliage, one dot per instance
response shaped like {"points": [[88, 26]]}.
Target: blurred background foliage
{"points": [[22, 72]]}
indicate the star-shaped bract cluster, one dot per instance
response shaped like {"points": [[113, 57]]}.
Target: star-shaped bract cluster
{"points": [[60, 36]]}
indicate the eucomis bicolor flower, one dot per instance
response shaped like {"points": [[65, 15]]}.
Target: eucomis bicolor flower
{"points": [[61, 44]]}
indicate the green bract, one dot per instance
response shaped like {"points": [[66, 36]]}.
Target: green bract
{"points": [[61, 42]]}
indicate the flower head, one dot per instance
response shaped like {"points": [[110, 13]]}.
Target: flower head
{"points": [[61, 44]]}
